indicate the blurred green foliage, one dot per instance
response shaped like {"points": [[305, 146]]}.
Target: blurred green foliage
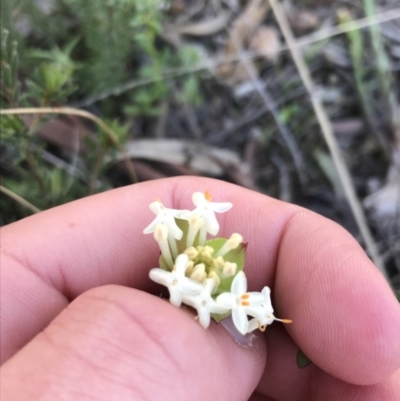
{"points": [[55, 52]]}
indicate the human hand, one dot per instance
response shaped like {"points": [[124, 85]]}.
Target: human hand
{"points": [[71, 329]]}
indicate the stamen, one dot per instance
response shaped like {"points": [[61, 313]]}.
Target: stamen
{"points": [[245, 296], [199, 273], [203, 235], [191, 252], [207, 252], [161, 236], [208, 196], [189, 267], [195, 224], [232, 243], [173, 246], [261, 328], [229, 269], [245, 303], [287, 321]]}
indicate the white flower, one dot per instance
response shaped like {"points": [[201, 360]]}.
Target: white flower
{"points": [[176, 281], [165, 217], [204, 303], [242, 303], [265, 314], [205, 209]]}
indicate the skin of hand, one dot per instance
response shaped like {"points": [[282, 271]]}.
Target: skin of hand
{"points": [[78, 321]]}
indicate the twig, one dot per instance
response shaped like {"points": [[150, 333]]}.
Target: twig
{"points": [[80, 113], [19, 199], [326, 128]]}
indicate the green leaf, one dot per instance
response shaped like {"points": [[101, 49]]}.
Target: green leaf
{"points": [[56, 182], [302, 359]]}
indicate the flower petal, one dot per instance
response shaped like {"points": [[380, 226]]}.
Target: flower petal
{"points": [[240, 320], [150, 228], [156, 207], [239, 284], [256, 298], [227, 300], [189, 286], [220, 207], [211, 222], [257, 311], [253, 325], [160, 276], [175, 296], [215, 308], [173, 228], [181, 263], [266, 292], [204, 317], [209, 285], [199, 199]]}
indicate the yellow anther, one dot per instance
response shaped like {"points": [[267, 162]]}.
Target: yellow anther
{"points": [[261, 328], [199, 273], [208, 249], [245, 303], [245, 296], [208, 196], [191, 252]]}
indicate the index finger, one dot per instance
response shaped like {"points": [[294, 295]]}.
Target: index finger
{"points": [[344, 314]]}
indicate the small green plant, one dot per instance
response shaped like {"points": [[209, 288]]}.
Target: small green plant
{"points": [[41, 183], [115, 43]]}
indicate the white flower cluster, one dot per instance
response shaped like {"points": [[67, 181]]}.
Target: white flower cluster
{"points": [[193, 275]]}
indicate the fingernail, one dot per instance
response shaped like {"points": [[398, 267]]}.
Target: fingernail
{"points": [[248, 340]]}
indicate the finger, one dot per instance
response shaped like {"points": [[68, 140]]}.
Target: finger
{"points": [[256, 396], [328, 388], [112, 250], [284, 381], [123, 344], [51, 258], [282, 378], [344, 312]]}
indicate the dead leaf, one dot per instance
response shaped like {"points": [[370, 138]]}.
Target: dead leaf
{"points": [[65, 132], [172, 33], [177, 7], [204, 28], [303, 21], [248, 22], [266, 42], [242, 30], [199, 157]]}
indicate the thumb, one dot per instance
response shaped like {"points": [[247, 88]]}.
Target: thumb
{"points": [[117, 343]]}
